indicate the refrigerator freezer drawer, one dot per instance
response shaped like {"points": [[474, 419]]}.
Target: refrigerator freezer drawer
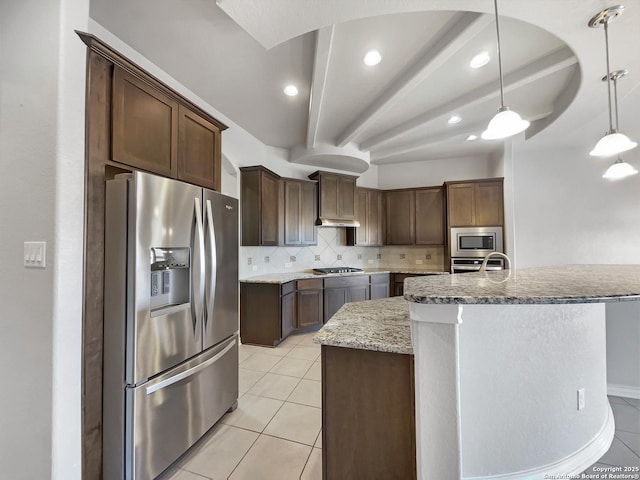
{"points": [[170, 413]]}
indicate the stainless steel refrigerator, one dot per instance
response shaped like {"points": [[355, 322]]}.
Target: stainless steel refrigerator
{"points": [[170, 322]]}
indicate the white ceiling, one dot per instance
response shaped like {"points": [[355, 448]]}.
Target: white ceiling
{"points": [[348, 114]]}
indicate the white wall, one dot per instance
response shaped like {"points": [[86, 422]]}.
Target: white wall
{"points": [[42, 157], [565, 212], [434, 172]]}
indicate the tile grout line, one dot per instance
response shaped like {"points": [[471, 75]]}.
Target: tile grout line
{"points": [[628, 447], [245, 454]]}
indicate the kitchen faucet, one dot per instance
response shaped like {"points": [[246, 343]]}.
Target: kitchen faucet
{"points": [[483, 267]]}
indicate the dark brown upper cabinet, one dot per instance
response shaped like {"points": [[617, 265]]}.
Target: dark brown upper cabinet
{"points": [[199, 150], [429, 216], [476, 203], [145, 125], [300, 211], [259, 201], [155, 129], [415, 216], [369, 207], [336, 198]]}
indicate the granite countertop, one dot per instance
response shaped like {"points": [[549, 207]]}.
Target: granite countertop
{"points": [[380, 325], [542, 285], [290, 276]]}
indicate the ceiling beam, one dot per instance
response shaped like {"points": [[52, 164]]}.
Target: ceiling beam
{"points": [[457, 134], [324, 43], [542, 67], [456, 35]]}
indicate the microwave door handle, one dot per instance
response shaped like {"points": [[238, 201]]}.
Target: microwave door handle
{"points": [[212, 258], [197, 268]]}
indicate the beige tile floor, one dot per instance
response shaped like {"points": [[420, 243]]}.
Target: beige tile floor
{"points": [[275, 433]]}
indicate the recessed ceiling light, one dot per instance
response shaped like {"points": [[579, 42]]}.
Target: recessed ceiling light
{"points": [[454, 119], [480, 60], [471, 138], [372, 58], [291, 90]]}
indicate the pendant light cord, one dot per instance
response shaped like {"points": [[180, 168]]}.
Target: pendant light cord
{"points": [[606, 42], [495, 4], [615, 95]]}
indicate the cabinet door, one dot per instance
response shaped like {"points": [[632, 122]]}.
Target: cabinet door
{"points": [[308, 213], [144, 124], [288, 313], [346, 198], [489, 206], [334, 298], [374, 218], [269, 194], [198, 150], [357, 293], [292, 205], [309, 308], [461, 204], [430, 216], [398, 289], [379, 290], [400, 217]]}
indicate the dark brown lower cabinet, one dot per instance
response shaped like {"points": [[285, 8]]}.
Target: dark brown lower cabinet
{"points": [[379, 286], [341, 290], [397, 282], [267, 312], [310, 304], [368, 415]]}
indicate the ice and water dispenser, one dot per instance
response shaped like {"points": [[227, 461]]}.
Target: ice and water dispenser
{"points": [[169, 277]]}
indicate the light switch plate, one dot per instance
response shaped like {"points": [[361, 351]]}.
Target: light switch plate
{"points": [[35, 254]]}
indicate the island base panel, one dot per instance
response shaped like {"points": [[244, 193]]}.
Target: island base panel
{"points": [[368, 415]]}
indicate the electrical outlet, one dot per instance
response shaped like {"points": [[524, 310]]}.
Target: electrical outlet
{"points": [[581, 399]]}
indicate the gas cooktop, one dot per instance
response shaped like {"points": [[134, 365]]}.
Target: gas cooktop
{"points": [[336, 270]]}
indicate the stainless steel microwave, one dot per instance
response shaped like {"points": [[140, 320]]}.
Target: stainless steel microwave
{"points": [[475, 241]]}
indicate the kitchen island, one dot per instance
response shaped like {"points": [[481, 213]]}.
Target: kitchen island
{"points": [[519, 361], [516, 390], [368, 395]]}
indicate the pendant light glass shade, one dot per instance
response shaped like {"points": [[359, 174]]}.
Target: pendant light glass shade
{"points": [[504, 124], [612, 144], [619, 170]]}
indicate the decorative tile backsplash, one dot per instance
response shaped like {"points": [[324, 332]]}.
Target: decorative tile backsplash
{"points": [[332, 251]]}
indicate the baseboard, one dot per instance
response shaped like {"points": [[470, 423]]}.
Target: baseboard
{"points": [[623, 391], [570, 466]]}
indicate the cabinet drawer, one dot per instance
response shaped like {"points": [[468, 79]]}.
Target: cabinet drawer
{"points": [[380, 278], [310, 284], [288, 288], [351, 281]]}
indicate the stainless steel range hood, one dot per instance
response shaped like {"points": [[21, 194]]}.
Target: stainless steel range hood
{"points": [[336, 222]]}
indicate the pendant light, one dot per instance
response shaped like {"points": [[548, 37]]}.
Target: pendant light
{"points": [[506, 122], [613, 142], [619, 170]]}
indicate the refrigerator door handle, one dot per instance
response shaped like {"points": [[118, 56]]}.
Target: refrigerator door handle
{"points": [[210, 291], [198, 268], [192, 371]]}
